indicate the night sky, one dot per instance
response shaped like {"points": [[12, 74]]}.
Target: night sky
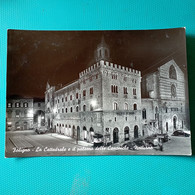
{"points": [[35, 57]]}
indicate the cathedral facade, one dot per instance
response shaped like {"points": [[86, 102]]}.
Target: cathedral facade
{"points": [[117, 102]]}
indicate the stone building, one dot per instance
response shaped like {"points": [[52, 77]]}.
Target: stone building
{"points": [[24, 113], [164, 99], [19, 114], [106, 99]]}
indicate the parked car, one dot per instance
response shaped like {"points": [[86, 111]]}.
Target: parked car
{"points": [[164, 137], [98, 140], [41, 130], [140, 143], [152, 140], [130, 145], [181, 133]]}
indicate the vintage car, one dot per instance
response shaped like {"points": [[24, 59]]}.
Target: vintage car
{"points": [[181, 133], [98, 140], [41, 130]]}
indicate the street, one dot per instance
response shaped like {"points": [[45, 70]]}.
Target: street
{"points": [[28, 143]]}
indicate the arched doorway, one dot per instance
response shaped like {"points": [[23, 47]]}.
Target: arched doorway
{"points": [[69, 131], [174, 123], [115, 135], [91, 134], [126, 133], [84, 133], [136, 131], [25, 125], [74, 133], [78, 133]]}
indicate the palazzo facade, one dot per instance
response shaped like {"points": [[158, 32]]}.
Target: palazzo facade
{"points": [[116, 102]]}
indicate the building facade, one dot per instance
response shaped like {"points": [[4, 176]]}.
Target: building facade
{"points": [[107, 100], [164, 99], [24, 113]]}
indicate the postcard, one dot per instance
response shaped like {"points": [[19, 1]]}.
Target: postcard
{"points": [[83, 93]]}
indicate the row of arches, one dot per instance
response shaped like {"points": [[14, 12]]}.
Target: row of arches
{"points": [[87, 135], [126, 133]]}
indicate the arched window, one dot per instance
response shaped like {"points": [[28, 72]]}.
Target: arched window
{"points": [[25, 105], [172, 72], [125, 106], [144, 113], [70, 109], [134, 106], [173, 90], [115, 106], [77, 109], [84, 108]]}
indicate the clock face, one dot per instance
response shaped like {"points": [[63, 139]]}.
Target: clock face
{"points": [[173, 90]]}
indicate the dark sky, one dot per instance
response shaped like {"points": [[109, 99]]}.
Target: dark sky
{"points": [[35, 57]]}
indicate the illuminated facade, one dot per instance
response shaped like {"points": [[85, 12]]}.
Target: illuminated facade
{"points": [[23, 113], [106, 99]]}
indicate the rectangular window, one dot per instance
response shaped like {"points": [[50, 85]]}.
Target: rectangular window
{"points": [[91, 90], [39, 104], [84, 93], [62, 99], [17, 105], [134, 91], [77, 95], [62, 110], [125, 90], [70, 97], [66, 99], [9, 105]]}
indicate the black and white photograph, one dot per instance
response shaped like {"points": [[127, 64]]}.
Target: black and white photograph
{"points": [[83, 93]]}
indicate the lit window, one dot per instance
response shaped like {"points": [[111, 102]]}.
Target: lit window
{"points": [[25, 105], [115, 106], [17, 104], [126, 106], [9, 105]]}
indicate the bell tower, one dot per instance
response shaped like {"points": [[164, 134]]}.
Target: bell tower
{"points": [[102, 52]]}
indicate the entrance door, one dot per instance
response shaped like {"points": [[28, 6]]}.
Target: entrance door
{"points": [[115, 135], [136, 131], [78, 133], [126, 133], [174, 122], [25, 125], [167, 127]]}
